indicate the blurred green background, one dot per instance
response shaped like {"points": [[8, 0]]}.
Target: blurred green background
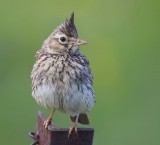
{"points": [[124, 51]]}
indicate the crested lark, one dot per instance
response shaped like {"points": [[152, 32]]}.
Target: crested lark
{"points": [[61, 77]]}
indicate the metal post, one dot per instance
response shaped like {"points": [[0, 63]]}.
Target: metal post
{"points": [[59, 136]]}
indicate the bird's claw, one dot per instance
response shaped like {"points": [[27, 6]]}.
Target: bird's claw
{"points": [[74, 127], [47, 122]]}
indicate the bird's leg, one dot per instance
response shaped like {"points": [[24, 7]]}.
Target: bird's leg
{"points": [[74, 126], [49, 120]]}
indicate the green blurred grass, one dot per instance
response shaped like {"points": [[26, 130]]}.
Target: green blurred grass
{"points": [[123, 49]]}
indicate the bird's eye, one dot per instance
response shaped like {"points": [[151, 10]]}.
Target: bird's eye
{"points": [[63, 39]]}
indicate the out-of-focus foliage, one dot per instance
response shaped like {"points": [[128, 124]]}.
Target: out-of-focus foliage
{"points": [[124, 52]]}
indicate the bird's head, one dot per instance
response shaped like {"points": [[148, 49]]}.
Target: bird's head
{"points": [[64, 38]]}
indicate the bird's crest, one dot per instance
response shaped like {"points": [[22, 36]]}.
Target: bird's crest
{"points": [[68, 27]]}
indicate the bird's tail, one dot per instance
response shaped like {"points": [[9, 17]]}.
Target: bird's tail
{"points": [[83, 119]]}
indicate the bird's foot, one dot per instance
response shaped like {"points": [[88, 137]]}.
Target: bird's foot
{"points": [[47, 122], [74, 127]]}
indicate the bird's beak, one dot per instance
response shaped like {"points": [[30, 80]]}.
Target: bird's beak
{"points": [[79, 42]]}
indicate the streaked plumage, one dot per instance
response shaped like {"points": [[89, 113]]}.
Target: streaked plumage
{"points": [[61, 77]]}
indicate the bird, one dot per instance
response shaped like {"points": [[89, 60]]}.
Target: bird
{"points": [[61, 76]]}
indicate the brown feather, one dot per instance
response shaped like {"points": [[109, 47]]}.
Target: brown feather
{"points": [[83, 119]]}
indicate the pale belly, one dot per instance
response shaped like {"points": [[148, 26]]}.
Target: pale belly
{"points": [[67, 97]]}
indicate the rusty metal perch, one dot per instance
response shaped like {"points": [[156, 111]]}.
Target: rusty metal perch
{"points": [[59, 136]]}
